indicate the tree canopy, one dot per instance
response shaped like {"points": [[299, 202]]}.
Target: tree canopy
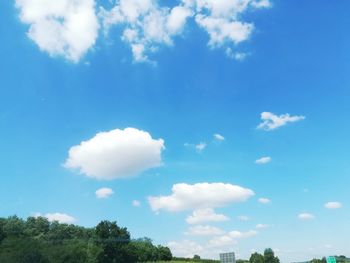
{"points": [[38, 240]]}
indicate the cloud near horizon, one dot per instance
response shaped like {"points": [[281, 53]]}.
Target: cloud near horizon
{"points": [[198, 196], [59, 217]]}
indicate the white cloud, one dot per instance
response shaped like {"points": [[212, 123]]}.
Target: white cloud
{"points": [[221, 20], [146, 25], [230, 238], [185, 248], [219, 137], [59, 217], [333, 205], [201, 195], [67, 28], [263, 160], [104, 192], [200, 230], [210, 249], [136, 203], [239, 234], [222, 30], [262, 4], [264, 200], [239, 56], [205, 215], [198, 147], [271, 121], [115, 154], [201, 146], [306, 216], [261, 226], [243, 218], [221, 241]]}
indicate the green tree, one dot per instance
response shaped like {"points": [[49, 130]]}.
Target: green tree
{"points": [[269, 256], [114, 242], [164, 253], [256, 258], [196, 257]]}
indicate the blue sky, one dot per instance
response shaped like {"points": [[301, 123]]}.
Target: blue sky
{"points": [[212, 70]]}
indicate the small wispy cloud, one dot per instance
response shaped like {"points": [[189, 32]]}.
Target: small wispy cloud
{"points": [[104, 193], [333, 205], [219, 137], [263, 160], [200, 146], [261, 226], [264, 200], [243, 218], [271, 121], [306, 216]]}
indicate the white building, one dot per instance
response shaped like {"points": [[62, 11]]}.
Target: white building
{"points": [[228, 257]]}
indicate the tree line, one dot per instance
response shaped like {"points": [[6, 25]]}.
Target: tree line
{"points": [[38, 240]]}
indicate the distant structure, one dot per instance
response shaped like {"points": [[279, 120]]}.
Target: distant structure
{"points": [[227, 257]]}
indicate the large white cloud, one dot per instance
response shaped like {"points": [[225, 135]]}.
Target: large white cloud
{"points": [[272, 121], [67, 28], [201, 195], [146, 25], [115, 154], [205, 215]]}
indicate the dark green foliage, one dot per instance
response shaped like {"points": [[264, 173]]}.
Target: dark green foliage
{"points": [[269, 256], [256, 258], [40, 241]]}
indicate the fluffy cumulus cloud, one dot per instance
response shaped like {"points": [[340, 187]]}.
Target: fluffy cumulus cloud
{"points": [[201, 195], [185, 248], [333, 205], [270, 121], [115, 154], [146, 25], [306, 216], [210, 249], [59, 217], [67, 28], [222, 20], [200, 230], [205, 215], [263, 160], [264, 200], [104, 192]]}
